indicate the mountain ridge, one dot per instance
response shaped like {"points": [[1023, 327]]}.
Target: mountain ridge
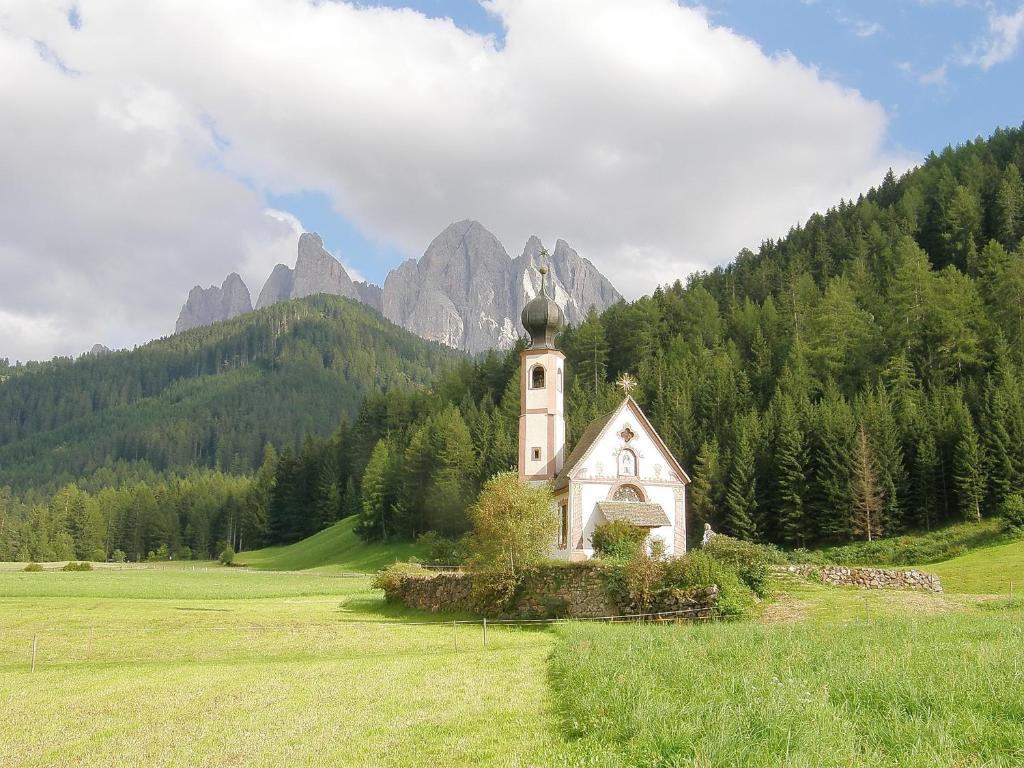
{"points": [[465, 291]]}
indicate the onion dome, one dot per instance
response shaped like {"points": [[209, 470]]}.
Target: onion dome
{"points": [[542, 318]]}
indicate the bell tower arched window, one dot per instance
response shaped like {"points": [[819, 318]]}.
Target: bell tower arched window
{"points": [[537, 377]]}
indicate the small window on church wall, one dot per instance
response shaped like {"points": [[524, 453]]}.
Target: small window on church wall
{"points": [[536, 454], [537, 377], [627, 463], [563, 527], [559, 379]]}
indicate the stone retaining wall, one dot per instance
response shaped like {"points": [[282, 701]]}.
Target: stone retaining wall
{"points": [[575, 591], [867, 578]]}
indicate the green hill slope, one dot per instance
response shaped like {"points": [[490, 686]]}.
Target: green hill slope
{"points": [[210, 397], [336, 547], [986, 571]]}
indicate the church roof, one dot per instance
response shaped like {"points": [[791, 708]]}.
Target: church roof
{"points": [[589, 437], [642, 513], [594, 431]]}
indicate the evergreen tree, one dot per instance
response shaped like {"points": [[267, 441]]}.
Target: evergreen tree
{"points": [[868, 496], [969, 472], [741, 499], [376, 495], [705, 493], [790, 474]]}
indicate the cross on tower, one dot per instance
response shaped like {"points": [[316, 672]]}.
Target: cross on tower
{"points": [[626, 383]]}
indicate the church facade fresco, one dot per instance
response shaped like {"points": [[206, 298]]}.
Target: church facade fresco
{"points": [[620, 469]]}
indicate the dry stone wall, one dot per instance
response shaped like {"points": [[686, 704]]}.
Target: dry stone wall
{"points": [[868, 578], [577, 591]]}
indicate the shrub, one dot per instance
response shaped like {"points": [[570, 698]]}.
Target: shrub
{"points": [[1013, 513], [98, 555], [73, 566], [514, 527], [439, 550], [644, 575], [699, 569], [33, 567], [118, 556], [227, 557], [750, 561], [390, 579], [618, 540]]}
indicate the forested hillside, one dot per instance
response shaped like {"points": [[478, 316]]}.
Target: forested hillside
{"points": [[860, 376], [210, 397]]}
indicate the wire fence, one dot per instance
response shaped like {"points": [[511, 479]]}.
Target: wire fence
{"points": [[24, 648]]}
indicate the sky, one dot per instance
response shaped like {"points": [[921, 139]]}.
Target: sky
{"points": [[146, 147]]}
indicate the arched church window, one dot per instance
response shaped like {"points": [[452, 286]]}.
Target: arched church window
{"points": [[537, 377], [627, 463], [559, 379], [627, 493]]}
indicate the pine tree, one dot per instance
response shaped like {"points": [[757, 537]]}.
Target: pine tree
{"points": [[741, 497], [868, 499], [890, 464], [376, 496], [328, 495], [351, 504], [996, 447], [969, 472], [790, 475], [589, 350], [705, 490], [1008, 208], [925, 478], [831, 438]]}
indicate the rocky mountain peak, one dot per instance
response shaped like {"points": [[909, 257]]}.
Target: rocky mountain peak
{"points": [[317, 271], [208, 305], [465, 291]]}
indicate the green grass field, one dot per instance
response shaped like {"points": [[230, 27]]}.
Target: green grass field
{"points": [[336, 548], [984, 571], [278, 670], [181, 664]]}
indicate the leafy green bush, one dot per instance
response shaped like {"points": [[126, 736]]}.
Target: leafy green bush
{"points": [[438, 550], [33, 567], [118, 556], [227, 557], [513, 529], [390, 578], [699, 569], [73, 566], [618, 540], [643, 580], [98, 555], [1013, 514], [750, 561]]}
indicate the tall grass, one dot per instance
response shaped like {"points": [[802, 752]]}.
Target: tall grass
{"points": [[919, 691]]}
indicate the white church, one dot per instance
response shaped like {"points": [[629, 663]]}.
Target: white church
{"points": [[619, 470]]}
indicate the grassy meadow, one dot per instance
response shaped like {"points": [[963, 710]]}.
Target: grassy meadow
{"points": [[278, 670], [181, 664], [333, 549]]}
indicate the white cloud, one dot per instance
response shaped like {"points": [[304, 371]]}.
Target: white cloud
{"points": [[1004, 35], [651, 140], [866, 28]]}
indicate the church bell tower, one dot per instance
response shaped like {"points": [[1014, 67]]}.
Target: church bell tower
{"points": [[541, 391]]}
